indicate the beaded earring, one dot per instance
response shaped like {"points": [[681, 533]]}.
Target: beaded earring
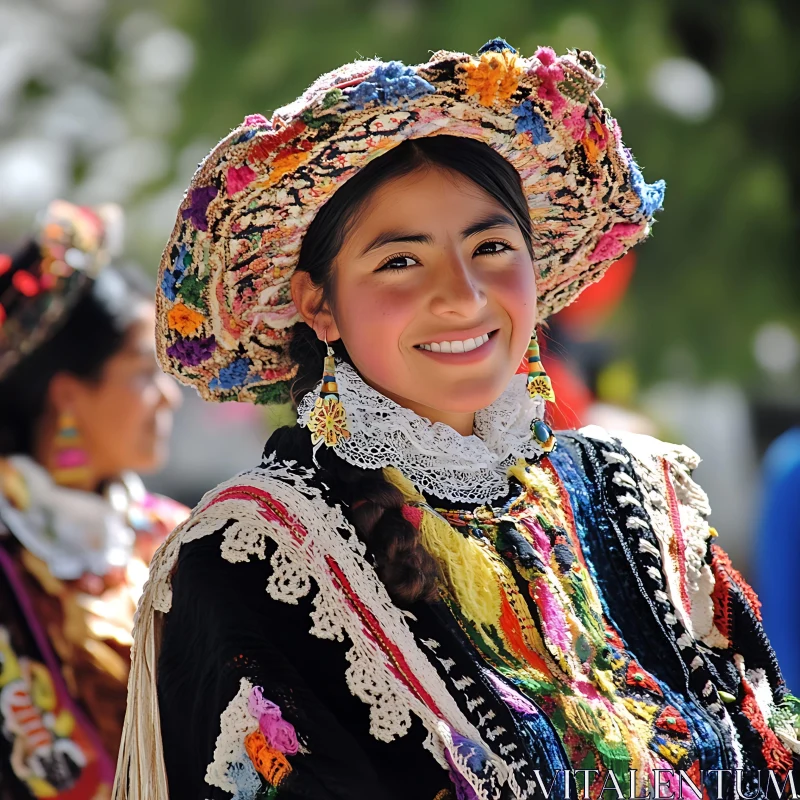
{"points": [[70, 465], [328, 419], [540, 387]]}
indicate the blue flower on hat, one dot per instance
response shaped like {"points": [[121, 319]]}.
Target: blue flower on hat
{"points": [[181, 262], [199, 200], [389, 85], [172, 279], [529, 121], [496, 45], [169, 283], [235, 374], [650, 194]]}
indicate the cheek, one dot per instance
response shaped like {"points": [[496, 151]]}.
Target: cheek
{"points": [[515, 293], [372, 325], [120, 414]]}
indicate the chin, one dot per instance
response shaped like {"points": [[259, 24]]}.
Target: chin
{"points": [[467, 399], [152, 460]]}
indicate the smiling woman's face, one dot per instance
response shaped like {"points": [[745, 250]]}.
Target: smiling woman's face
{"points": [[434, 294]]}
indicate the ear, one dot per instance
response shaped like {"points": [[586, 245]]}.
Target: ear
{"points": [[313, 308], [63, 391]]}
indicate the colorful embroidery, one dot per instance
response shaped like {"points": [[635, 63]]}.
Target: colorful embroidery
{"points": [[253, 744], [50, 752], [558, 649], [522, 589]]}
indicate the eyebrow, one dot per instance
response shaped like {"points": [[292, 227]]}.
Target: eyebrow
{"points": [[391, 237], [497, 220]]}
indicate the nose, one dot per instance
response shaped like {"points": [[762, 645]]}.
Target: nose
{"points": [[458, 289]]}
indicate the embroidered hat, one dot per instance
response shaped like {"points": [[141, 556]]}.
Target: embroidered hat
{"points": [[224, 305], [74, 243]]}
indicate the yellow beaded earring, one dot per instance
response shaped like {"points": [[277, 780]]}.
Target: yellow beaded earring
{"points": [[328, 419], [540, 386], [70, 466]]}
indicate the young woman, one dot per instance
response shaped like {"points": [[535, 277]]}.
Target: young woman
{"points": [[82, 404], [422, 592]]}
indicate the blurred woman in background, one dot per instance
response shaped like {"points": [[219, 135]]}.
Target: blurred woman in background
{"points": [[83, 407]]}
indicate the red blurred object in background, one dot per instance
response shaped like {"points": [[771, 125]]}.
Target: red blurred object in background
{"points": [[595, 304], [598, 301]]}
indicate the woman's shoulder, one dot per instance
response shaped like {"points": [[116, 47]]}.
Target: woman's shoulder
{"points": [[277, 513], [662, 513], [658, 466]]}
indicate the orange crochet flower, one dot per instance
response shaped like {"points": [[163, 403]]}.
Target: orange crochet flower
{"points": [[270, 763], [184, 319], [494, 78]]}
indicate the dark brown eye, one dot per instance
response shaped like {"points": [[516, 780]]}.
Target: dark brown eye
{"points": [[396, 263], [491, 248]]}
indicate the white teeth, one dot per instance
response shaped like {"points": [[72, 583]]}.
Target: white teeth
{"points": [[460, 346]]}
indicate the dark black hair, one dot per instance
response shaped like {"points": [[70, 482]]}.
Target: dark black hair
{"points": [[91, 333], [407, 570]]}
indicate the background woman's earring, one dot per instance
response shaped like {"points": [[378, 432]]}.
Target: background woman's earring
{"points": [[540, 386], [328, 419], [71, 460]]}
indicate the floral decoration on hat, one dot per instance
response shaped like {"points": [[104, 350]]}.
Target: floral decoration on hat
{"points": [[74, 243], [239, 231]]}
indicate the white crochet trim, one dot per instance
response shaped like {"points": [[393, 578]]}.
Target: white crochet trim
{"points": [[236, 723], [437, 459], [693, 510], [316, 531]]}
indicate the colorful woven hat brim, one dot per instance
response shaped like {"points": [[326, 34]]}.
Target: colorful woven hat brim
{"points": [[224, 305], [75, 243]]}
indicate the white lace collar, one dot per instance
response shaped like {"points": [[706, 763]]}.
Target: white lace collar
{"points": [[439, 460], [72, 531]]}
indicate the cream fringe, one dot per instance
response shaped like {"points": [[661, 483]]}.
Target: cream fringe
{"points": [[141, 772]]}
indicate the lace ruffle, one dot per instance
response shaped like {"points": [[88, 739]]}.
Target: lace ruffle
{"points": [[439, 460]]}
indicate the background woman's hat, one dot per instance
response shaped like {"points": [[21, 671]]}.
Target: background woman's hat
{"points": [[74, 243], [224, 306]]}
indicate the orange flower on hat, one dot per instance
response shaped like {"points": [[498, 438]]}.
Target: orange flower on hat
{"points": [[494, 78], [185, 320]]}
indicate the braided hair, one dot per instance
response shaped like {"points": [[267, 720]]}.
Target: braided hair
{"points": [[374, 506]]}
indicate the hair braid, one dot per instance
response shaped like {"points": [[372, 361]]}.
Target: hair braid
{"points": [[373, 505]]}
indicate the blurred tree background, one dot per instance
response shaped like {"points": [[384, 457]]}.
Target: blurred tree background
{"points": [[118, 100]]}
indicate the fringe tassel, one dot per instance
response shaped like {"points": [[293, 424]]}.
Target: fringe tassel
{"points": [[141, 771], [467, 568]]}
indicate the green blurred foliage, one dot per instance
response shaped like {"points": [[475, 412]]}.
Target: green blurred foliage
{"points": [[722, 258]]}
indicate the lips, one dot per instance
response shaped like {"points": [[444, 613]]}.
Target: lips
{"points": [[457, 345]]}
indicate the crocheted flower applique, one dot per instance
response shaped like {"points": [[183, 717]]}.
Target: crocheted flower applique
{"points": [[236, 374], [389, 84], [495, 77], [252, 747], [193, 352], [530, 121]]}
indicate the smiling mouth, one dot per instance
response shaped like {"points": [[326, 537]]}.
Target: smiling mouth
{"points": [[457, 345]]}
